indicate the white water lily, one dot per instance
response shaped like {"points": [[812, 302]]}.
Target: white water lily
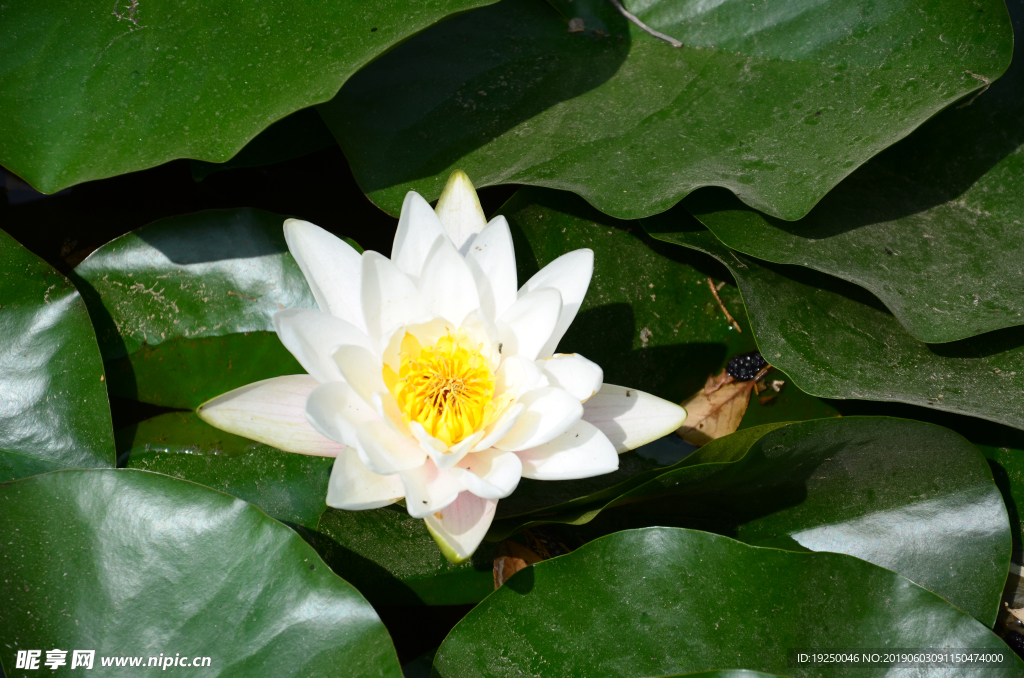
{"points": [[433, 377]]}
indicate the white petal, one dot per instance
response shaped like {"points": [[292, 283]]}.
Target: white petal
{"points": [[336, 411], [493, 261], [447, 286], [418, 229], [311, 335], [445, 457], [459, 210], [491, 474], [527, 325], [362, 369], [570, 275], [390, 299], [429, 489], [573, 373], [631, 418], [332, 268], [355, 488], [500, 428], [460, 528], [273, 412], [386, 452], [549, 413], [519, 375], [581, 452]]}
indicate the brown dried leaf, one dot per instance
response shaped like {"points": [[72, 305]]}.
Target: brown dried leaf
{"points": [[512, 557], [1018, 613], [716, 412]]}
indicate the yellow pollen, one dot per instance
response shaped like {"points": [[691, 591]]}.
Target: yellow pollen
{"points": [[447, 387]]}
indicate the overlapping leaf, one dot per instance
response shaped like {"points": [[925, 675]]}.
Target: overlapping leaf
{"points": [[183, 306], [837, 341], [289, 487], [914, 498], [90, 92], [691, 601], [53, 400], [128, 563], [777, 103], [932, 227]]}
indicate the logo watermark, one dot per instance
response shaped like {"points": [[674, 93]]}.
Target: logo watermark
{"points": [[86, 659]]}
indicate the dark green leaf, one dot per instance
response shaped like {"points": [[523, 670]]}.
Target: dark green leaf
{"points": [[301, 133], [912, 497], [664, 600], [777, 103], [152, 81], [392, 559], [289, 487], [53, 400], [932, 227], [837, 341], [129, 563], [183, 306]]}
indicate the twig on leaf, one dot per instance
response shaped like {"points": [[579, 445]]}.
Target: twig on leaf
{"points": [[632, 17], [728, 316], [987, 81]]}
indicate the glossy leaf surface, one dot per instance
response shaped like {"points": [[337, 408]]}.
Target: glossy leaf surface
{"points": [[129, 563], [183, 306], [776, 103], [53, 399], [697, 601], [837, 341], [932, 227], [150, 82], [289, 487], [912, 497]]}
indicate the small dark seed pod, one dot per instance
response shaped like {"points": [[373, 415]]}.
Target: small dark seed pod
{"points": [[745, 367]]}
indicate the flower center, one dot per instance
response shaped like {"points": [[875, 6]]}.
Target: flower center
{"points": [[447, 387]]}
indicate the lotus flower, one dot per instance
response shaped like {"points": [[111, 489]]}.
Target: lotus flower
{"points": [[433, 377]]}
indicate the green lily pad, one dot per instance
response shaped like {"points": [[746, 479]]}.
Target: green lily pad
{"points": [[932, 226], [915, 498], [183, 306], [149, 82], [835, 340], [777, 104], [54, 411], [289, 487], [130, 563], [694, 601], [301, 133]]}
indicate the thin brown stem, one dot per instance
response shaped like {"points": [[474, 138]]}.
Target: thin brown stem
{"points": [[632, 17], [728, 316]]}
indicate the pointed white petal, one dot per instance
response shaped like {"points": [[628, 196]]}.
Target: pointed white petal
{"points": [[549, 413], [491, 474], [459, 210], [332, 268], [570, 275], [429, 489], [460, 528], [631, 418], [519, 375], [527, 325], [581, 452], [447, 286], [418, 229], [362, 369], [500, 428], [445, 457], [386, 452], [312, 335], [354, 487], [493, 262], [336, 411], [390, 299], [273, 412], [573, 373]]}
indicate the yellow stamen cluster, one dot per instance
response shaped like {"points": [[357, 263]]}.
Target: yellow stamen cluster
{"points": [[447, 387]]}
